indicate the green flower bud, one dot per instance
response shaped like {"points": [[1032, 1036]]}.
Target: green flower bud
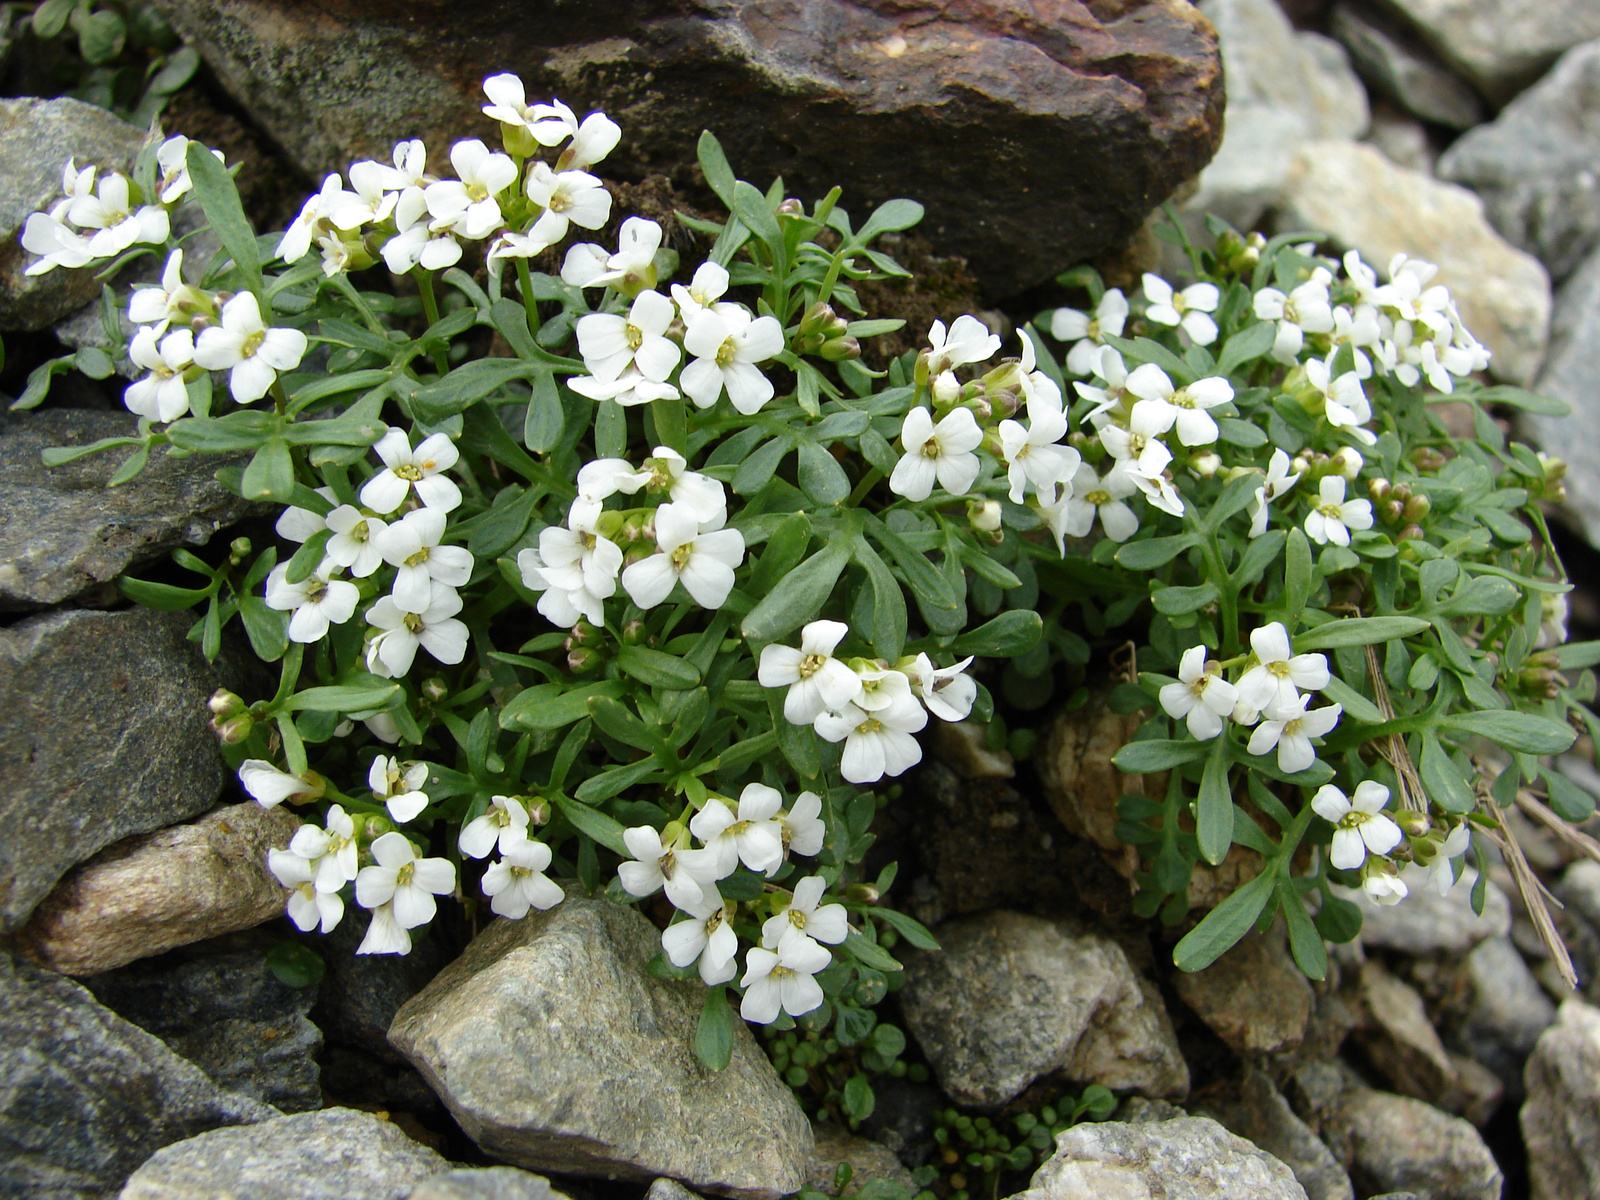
{"points": [[224, 704], [1392, 511], [233, 730], [583, 658], [435, 689], [1417, 507], [1427, 458], [1379, 488], [839, 349]]}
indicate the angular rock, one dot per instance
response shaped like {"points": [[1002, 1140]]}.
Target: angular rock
{"points": [[1258, 1113], [668, 1189], [1363, 201], [85, 1097], [65, 531], [869, 1163], [1402, 139], [1391, 60], [221, 1007], [556, 1050], [1191, 1158], [149, 893], [1568, 375], [1501, 46], [1092, 120], [103, 734], [1506, 1014], [1537, 167], [486, 1183], [1254, 998], [335, 1154], [1579, 889], [360, 993], [1427, 923], [1399, 1039], [1012, 998], [1561, 1118], [36, 139]]}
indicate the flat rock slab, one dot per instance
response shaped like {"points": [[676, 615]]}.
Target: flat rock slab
{"points": [[486, 1183], [36, 139], [1072, 121], [63, 531], [335, 1154], [556, 1050], [103, 734], [1012, 998], [1561, 1119], [1187, 1158], [85, 1096]]}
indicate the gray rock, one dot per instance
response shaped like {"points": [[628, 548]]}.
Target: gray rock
{"points": [[222, 1008], [869, 1163], [1400, 1040], [486, 1183], [1097, 119], [1568, 375], [1012, 998], [1393, 1143], [556, 1050], [1254, 998], [1561, 1119], [1507, 1013], [62, 530], [103, 734], [669, 1189], [154, 891], [1579, 889], [1402, 139], [1191, 1158], [1391, 60], [1365, 202], [85, 1097], [1537, 166], [335, 1154], [360, 994], [36, 139], [1258, 1113], [1427, 923], [1501, 46]]}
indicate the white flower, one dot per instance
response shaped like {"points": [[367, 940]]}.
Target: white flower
{"points": [[404, 881], [297, 238], [271, 787], [595, 138], [503, 823], [940, 452], [405, 468], [469, 200], [55, 243], [699, 495], [371, 199], [307, 906], [316, 601], [332, 851], [707, 936], [1359, 823], [804, 831], [782, 980], [1381, 883], [727, 342], [162, 395], [509, 103], [575, 567], [400, 788], [568, 198], [297, 524], [817, 681], [967, 341], [517, 882], [1290, 728], [109, 211], [1032, 454], [1139, 447], [435, 629], [1087, 333], [875, 743], [610, 344], [1090, 496], [1157, 488], [355, 543], [1189, 403], [803, 918], [1203, 698], [244, 346], [948, 692], [682, 873], [1439, 871], [751, 836], [410, 170], [411, 546], [1187, 309], [632, 267], [1277, 482], [1334, 517], [173, 160], [1304, 310], [628, 389], [385, 935], [703, 561], [601, 478], [420, 239], [1275, 678], [705, 289], [173, 300], [1345, 405]]}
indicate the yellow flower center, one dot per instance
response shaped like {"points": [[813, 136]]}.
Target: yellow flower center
{"points": [[681, 556], [811, 664], [1097, 498], [403, 876], [413, 622], [252, 344], [417, 559], [634, 334], [726, 352], [410, 472]]}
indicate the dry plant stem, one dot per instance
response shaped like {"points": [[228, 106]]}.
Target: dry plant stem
{"points": [[1534, 895], [1393, 746], [1574, 837]]}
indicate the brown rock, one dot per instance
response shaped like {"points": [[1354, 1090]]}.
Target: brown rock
{"points": [[1037, 134], [1254, 998], [869, 1162], [150, 893], [1399, 1039]]}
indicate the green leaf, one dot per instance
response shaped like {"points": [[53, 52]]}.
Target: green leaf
{"points": [[1224, 925], [1515, 397], [1503, 525], [345, 697], [858, 1098], [1357, 631], [616, 780], [714, 163], [38, 385], [56, 456], [758, 467], [888, 217], [101, 36], [93, 362], [1137, 758], [782, 552], [594, 824], [1213, 813], [245, 429], [713, 1034], [1153, 552], [467, 384], [820, 475], [1013, 632], [1338, 920], [1570, 802], [1174, 601], [869, 953], [888, 633], [162, 597], [1353, 702], [1520, 731], [541, 427], [1143, 350], [1297, 577], [912, 930], [1241, 433], [552, 705], [751, 207], [219, 198], [1257, 557], [1305, 943], [1249, 343], [944, 613], [1575, 656], [270, 474], [657, 668], [50, 18], [295, 965], [1442, 778], [799, 596]]}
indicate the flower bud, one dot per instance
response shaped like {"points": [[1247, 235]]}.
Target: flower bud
{"points": [[919, 374], [981, 410], [238, 549], [946, 388], [633, 633], [984, 515], [1414, 824], [1555, 469], [791, 208], [1417, 507], [538, 812], [1206, 464], [224, 704], [1427, 458], [1408, 533], [1545, 658], [862, 893], [233, 730], [840, 348], [582, 634], [583, 658], [1379, 488], [371, 826], [1348, 462], [1301, 464], [1392, 511], [435, 689], [818, 321], [1004, 401], [518, 141]]}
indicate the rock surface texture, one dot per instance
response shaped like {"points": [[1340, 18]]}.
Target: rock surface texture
{"points": [[1258, 1112], [85, 1097], [486, 1183], [1429, 923], [1254, 998], [1012, 998], [1568, 375], [335, 1154], [556, 1050], [158, 890], [62, 530], [1092, 115], [103, 734], [1561, 1118], [1388, 58]]}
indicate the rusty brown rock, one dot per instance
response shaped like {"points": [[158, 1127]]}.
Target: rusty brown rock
{"points": [[1037, 132], [150, 893], [1254, 998]]}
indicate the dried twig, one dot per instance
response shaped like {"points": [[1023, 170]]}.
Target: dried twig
{"points": [[1563, 829], [1534, 895], [1392, 746]]}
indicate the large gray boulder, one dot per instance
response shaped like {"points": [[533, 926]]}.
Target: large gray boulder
{"points": [[1391, 61], [85, 1096], [1561, 1118], [556, 1050]]}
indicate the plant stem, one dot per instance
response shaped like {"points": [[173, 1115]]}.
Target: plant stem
{"points": [[529, 304], [868, 482], [430, 310]]}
